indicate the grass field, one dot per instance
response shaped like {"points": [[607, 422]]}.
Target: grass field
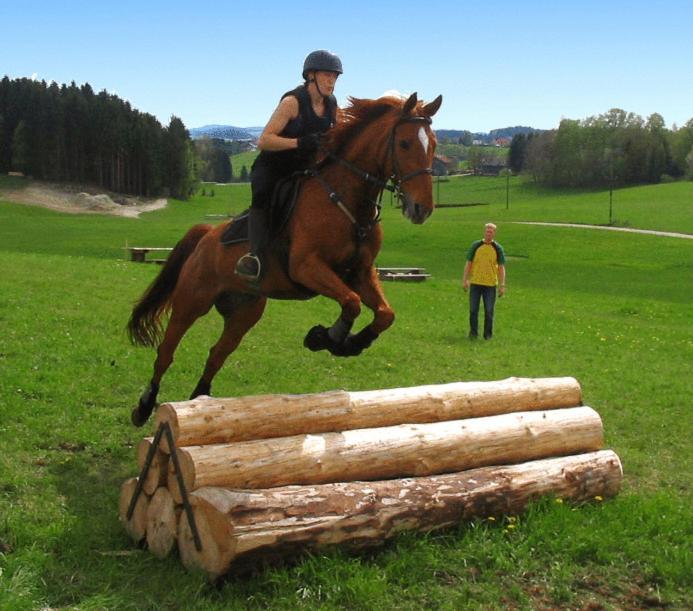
{"points": [[612, 309]]}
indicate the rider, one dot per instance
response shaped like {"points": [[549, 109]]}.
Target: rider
{"points": [[287, 144]]}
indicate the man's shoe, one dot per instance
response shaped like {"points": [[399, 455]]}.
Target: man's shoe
{"points": [[473, 336], [248, 266]]}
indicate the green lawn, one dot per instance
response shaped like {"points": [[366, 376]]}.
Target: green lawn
{"points": [[664, 207], [612, 309]]}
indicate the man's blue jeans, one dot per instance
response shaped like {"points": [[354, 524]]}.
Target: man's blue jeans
{"points": [[477, 292]]}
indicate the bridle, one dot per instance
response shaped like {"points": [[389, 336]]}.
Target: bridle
{"points": [[393, 183], [397, 179]]}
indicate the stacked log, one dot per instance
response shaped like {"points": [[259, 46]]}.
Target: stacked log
{"points": [[276, 473], [245, 525], [209, 420]]}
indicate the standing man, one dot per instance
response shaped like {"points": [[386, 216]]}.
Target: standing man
{"points": [[485, 269]]}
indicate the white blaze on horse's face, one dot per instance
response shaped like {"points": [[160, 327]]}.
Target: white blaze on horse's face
{"points": [[423, 138]]}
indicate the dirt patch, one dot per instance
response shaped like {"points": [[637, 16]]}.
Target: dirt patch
{"points": [[80, 199]]}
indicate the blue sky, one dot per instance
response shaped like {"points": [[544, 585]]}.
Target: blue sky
{"points": [[497, 64]]}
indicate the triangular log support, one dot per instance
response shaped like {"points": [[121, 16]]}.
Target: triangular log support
{"points": [[165, 429]]}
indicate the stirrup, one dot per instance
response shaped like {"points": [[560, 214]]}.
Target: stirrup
{"points": [[249, 266]]}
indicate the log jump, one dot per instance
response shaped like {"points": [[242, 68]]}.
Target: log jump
{"points": [[252, 478]]}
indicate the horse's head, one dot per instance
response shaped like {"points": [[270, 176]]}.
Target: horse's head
{"points": [[411, 149]]}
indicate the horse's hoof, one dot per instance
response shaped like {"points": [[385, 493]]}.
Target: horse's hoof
{"points": [[146, 405], [202, 389], [317, 339], [348, 348], [356, 344], [138, 418]]}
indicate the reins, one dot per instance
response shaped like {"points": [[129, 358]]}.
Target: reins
{"points": [[393, 183]]}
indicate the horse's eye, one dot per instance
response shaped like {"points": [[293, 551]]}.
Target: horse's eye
{"points": [[404, 145]]}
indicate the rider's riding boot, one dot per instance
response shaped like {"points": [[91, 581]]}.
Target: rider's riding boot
{"points": [[249, 266]]}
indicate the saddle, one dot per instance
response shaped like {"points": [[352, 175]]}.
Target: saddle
{"points": [[284, 198]]}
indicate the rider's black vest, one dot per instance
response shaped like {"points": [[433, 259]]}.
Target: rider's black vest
{"points": [[307, 122]]}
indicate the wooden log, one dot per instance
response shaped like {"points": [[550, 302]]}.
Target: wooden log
{"points": [[249, 524], [162, 523], [388, 452], [207, 420], [136, 526], [158, 468]]}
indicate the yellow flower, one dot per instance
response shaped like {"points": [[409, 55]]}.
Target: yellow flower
{"points": [[559, 501], [598, 498], [491, 519]]}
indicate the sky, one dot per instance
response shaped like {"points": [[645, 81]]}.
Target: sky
{"points": [[497, 64]]}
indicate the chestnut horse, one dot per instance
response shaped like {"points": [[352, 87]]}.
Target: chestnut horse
{"points": [[328, 246]]}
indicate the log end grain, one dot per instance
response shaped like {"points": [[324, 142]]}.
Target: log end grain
{"points": [[136, 526], [162, 523], [218, 544]]}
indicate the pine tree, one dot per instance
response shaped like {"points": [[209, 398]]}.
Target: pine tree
{"points": [[20, 148]]}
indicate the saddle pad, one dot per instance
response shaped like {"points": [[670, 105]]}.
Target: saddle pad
{"points": [[237, 230]]}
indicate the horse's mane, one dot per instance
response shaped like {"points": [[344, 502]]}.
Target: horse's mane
{"points": [[356, 117]]}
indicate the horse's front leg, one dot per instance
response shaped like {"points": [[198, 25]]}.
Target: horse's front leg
{"points": [[372, 296], [338, 339], [314, 274]]}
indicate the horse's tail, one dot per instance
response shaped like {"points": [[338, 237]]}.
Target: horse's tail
{"points": [[144, 327]]}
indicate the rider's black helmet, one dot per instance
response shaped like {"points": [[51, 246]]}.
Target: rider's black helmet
{"points": [[322, 60]]}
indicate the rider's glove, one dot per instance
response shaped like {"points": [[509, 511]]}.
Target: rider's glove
{"points": [[309, 143]]}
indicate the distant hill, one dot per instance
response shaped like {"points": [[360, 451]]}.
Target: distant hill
{"points": [[224, 132], [229, 132], [456, 135], [509, 132]]}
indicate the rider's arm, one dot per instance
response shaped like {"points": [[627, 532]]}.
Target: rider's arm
{"points": [[270, 140]]}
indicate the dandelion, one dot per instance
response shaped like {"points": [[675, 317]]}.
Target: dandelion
{"points": [[598, 498]]}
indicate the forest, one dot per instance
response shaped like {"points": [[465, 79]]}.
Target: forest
{"points": [[616, 148], [67, 133]]}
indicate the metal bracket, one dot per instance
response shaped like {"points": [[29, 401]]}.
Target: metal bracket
{"points": [[164, 428]]}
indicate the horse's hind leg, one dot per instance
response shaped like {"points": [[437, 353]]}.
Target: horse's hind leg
{"points": [[181, 320], [241, 313]]}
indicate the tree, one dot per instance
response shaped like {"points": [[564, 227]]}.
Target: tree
{"points": [[222, 166], [517, 153], [539, 152], [680, 146], [180, 164], [21, 148], [214, 163]]}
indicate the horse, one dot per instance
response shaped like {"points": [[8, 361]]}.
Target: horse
{"points": [[327, 247]]}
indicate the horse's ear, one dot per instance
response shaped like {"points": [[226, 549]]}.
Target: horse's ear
{"points": [[409, 104], [432, 107]]}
